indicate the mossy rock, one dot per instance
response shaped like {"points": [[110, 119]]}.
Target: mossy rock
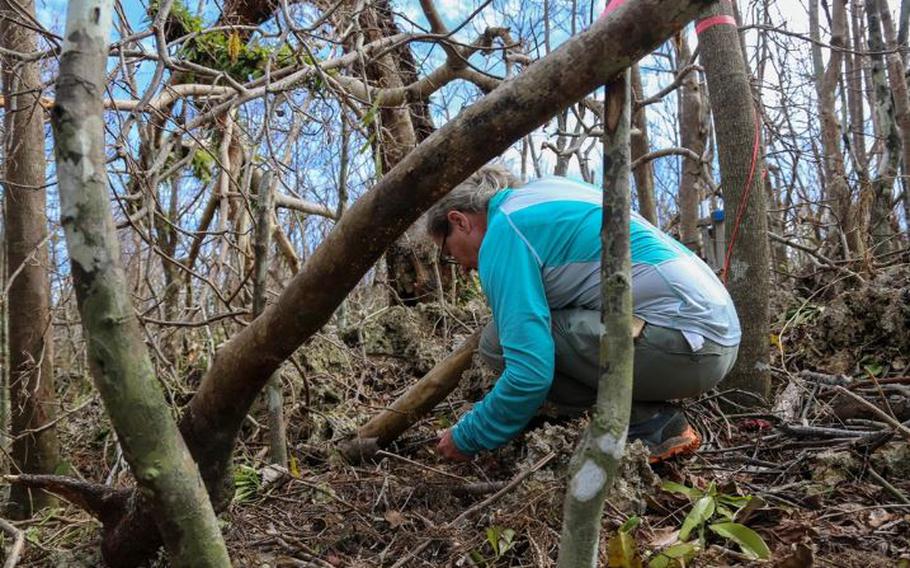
{"points": [[399, 332]]}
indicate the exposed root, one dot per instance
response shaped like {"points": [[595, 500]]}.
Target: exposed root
{"points": [[105, 503]]}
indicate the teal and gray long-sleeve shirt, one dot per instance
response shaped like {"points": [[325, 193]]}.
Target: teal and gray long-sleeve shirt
{"points": [[541, 252]]}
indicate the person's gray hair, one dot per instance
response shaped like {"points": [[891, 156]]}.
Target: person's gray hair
{"points": [[470, 196]]}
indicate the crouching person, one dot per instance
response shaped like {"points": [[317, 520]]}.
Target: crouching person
{"points": [[537, 250]]}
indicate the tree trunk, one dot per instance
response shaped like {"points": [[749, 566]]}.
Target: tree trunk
{"points": [[741, 161], [837, 188], [641, 145], [122, 370], [35, 448], [903, 26], [278, 443], [481, 132], [898, 81], [400, 128], [693, 136], [883, 186], [597, 458]]}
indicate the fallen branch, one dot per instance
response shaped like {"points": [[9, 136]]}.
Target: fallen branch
{"points": [[18, 546], [420, 399], [103, 502], [903, 430]]}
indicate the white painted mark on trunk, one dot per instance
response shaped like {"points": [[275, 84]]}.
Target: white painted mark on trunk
{"points": [[611, 446], [588, 481]]}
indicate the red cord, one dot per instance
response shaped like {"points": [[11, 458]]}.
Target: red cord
{"points": [[740, 211]]}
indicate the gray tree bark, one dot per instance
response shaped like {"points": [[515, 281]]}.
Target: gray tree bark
{"points": [[33, 405], [898, 81], [693, 136], [640, 146], [597, 458], [738, 137], [169, 480], [278, 442], [835, 172], [879, 218]]}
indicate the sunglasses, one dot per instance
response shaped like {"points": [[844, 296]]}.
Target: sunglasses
{"points": [[443, 257]]}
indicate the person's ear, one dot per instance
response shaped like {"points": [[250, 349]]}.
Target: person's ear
{"points": [[458, 219]]}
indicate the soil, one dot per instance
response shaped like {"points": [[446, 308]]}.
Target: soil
{"points": [[829, 482]]}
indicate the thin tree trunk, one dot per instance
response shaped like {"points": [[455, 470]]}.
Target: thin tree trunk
{"points": [[879, 219], [640, 146], [120, 363], [857, 144], [4, 336], [741, 162], [693, 137], [35, 448], [481, 132], [854, 77], [903, 26], [835, 173], [597, 458], [278, 443], [898, 81], [818, 67]]}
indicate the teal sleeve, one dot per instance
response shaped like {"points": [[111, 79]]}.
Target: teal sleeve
{"points": [[512, 282]]}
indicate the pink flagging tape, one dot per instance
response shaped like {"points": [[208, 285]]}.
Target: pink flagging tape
{"points": [[702, 25], [612, 5]]}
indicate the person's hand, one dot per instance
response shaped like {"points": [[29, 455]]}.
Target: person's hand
{"points": [[447, 448]]}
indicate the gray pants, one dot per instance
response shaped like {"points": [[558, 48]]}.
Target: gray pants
{"points": [[665, 366]]}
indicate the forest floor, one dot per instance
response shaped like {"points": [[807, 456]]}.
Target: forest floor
{"points": [[822, 474]]}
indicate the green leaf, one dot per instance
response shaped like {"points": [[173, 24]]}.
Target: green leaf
{"points": [[630, 524], [737, 501], [748, 540], [725, 512], [677, 555], [699, 515], [689, 492]]}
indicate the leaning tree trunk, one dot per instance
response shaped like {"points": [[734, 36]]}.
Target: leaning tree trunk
{"points": [[121, 367], [242, 367], [33, 406], [739, 148]]}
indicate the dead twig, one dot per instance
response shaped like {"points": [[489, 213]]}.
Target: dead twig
{"points": [[889, 487], [903, 430], [15, 551]]}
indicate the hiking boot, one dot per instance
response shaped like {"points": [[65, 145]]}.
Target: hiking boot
{"points": [[666, 435]]}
